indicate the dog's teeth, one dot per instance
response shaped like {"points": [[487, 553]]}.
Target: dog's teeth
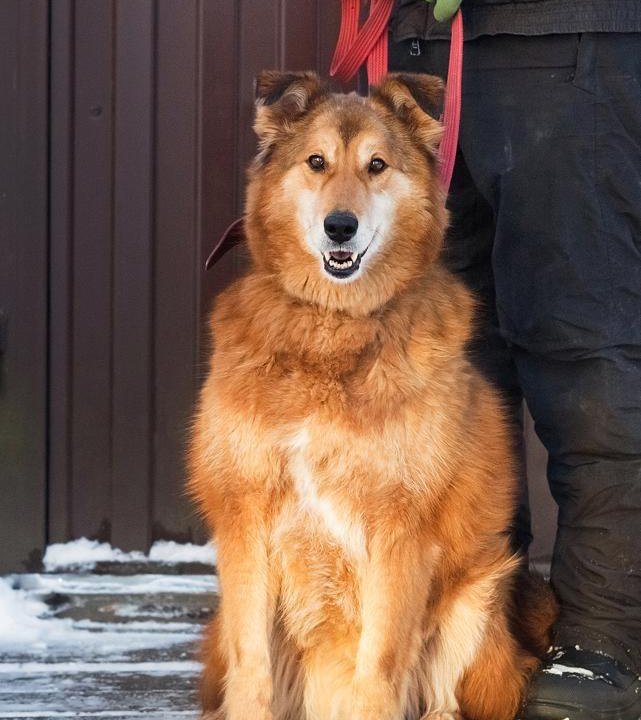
{"points": [[327, 256], [354, 257], [340, 265]]}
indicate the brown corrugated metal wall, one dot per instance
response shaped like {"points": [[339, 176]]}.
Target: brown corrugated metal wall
{"points": [[23, 279], [149, 106]]}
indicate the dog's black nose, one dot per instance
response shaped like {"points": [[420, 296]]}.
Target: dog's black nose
{"points": [[341, 226]]}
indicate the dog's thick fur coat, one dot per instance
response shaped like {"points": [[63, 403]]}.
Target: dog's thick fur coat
{"points": [[355, 469]]}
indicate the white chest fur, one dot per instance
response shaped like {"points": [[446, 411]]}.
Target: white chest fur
{"points": [[330, 516]]}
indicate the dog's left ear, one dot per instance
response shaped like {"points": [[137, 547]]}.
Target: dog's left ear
{"points": [[281, 99], [417, 100]]}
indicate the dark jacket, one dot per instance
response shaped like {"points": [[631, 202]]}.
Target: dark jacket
{"points": [[414, 19]]}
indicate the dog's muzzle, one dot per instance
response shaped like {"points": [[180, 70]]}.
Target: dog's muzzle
{"points": [[341, 227]]}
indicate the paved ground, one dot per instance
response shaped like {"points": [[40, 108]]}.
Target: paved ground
{"points": [[104, 645]]}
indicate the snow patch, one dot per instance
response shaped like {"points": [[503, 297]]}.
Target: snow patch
{"points": [[153, 611], [26, 624], [21, 619], [170, 667], [149, 626], [168, 551], [557, 669], [49, 714], [139, 584], [83, 554]]}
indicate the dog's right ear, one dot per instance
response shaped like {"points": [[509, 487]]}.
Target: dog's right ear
{"points": [[281, 99], [417, 100]]}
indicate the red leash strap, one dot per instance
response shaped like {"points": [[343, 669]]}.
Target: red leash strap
{"points": [[354, 46], [369, 45], [377, 59], [452, 109]]}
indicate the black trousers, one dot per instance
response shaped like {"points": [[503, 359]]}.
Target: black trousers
{"points": [[546, 227]]}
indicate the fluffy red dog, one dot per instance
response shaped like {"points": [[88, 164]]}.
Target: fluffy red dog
{"points": [[354, 468]]}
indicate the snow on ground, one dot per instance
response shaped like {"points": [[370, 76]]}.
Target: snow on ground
{"points": [[23, 669], [119, 714], [139, 584], [83, 645], [84, 554], [29, 627], [171, 552], [22, 619]]}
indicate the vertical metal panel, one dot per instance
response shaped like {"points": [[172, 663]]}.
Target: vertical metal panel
{"points": [[220, 169], [23, 280], [177, 257], [92, 333], [132, 274], [60, 268], [299, 44], [259, 37]]}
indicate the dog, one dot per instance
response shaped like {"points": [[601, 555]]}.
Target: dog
{"points": [[353, 466]]}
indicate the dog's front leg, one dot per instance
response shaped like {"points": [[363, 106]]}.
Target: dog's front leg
{"points": [[394, 586], [247, 609]]}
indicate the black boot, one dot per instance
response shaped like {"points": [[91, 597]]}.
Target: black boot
{"points": [[576, 684]]}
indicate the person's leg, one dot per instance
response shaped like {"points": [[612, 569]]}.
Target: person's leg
{"points": [[551, 133]]}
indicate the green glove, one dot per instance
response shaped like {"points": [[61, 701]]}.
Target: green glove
{"points": [[445, 9]]}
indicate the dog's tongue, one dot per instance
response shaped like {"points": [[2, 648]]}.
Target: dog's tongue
{"points": [[340, 255]]}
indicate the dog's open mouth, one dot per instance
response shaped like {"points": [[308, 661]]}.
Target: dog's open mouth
{"points": [[340, 263]]}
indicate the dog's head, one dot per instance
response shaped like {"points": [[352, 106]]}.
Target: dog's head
{"points": [[345, 206]]}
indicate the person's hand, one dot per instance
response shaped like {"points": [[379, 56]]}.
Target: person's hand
{"points": [[445, 9]]}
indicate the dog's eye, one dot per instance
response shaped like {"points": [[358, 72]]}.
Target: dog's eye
{"points": [[376, 165], [316, 162]]}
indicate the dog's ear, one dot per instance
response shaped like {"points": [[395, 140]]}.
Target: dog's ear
{"points": [[292, 91], [417, 100], [282, 98]]}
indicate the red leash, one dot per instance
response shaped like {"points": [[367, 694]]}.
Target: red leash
{"points": [[452, 109], [354, 47]]}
